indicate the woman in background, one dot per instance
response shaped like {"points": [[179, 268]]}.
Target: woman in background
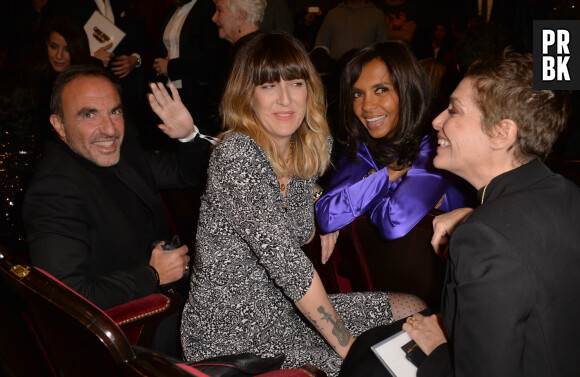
{"points": [[66, 44], [387, 169], [190, 54], [238, 19]]}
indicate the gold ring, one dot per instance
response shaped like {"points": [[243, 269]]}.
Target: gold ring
{"points": [[411, 321]]}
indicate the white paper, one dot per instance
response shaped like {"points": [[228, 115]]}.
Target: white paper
{"points": [[392, 356], [100, 32]]}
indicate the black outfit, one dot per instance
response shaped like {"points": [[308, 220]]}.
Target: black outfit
{"points": [[136, 40], [512, 273], [224, 75], [202, 56], [515, 15], [92, 227]]}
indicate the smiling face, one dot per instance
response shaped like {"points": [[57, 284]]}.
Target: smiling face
{"points": [[227, 22], [280, 108], [93, 124], [58, 54], [464, 148], [375, 101]]}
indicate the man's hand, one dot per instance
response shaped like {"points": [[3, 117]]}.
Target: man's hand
{"points": [[427, 332], [443, 227], [160, 66], [103, 55], [177, 121], [123, 65], [170, 265]]}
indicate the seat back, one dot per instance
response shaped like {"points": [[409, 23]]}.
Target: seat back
{"points": [[407, 264], [19, 351], [74, 337], [566, 167]]}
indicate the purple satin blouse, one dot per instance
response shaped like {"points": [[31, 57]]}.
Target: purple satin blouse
{"points": [[394, 207]]}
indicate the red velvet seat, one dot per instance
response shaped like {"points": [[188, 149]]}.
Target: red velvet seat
{"points": [[49, 330], [140, 318]]}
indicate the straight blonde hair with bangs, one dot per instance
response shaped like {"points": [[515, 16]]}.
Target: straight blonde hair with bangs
{"points": [[269, 58]]}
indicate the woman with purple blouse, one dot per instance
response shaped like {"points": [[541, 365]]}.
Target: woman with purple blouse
{"points": [[387, 169]]}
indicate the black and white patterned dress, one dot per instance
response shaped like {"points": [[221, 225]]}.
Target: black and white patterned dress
{"points": [[249, 268]]}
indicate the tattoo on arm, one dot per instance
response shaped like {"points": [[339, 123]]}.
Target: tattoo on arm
{"points": [[338, 329]]}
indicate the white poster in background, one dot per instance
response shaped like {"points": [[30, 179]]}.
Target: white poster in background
{"points": [[100, 32]]}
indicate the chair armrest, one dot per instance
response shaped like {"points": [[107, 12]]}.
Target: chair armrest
{"points": [[152, 364], [140, 318]]}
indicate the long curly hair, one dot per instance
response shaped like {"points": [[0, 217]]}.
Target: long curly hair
{"points": [[401, 146]]}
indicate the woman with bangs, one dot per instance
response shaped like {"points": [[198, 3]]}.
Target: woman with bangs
{"points": [[253, 290]]}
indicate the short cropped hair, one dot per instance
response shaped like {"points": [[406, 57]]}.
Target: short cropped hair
{"points": [[504, 90], [254, 9], [400, 146], [71, 73], [269, 58]]}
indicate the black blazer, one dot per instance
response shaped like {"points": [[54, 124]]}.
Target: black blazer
{"points": [[79, 231], [136, 39], [202, 56], [514, 269], [512, 293]]}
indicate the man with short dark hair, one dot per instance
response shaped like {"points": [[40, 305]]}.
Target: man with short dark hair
{"points": [[92, 210]]}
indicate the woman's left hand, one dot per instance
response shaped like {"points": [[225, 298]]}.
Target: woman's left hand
{"points": [[427, 332], [327, 242], [177, 121], [394, 175]]}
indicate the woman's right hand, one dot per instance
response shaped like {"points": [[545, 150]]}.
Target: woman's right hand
{"points": [[443, 227]]}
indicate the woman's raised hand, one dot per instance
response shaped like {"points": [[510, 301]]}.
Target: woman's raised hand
{"points": [[177, 121], [443, 227]]}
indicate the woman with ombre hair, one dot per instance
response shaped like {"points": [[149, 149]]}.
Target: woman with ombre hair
{"points": [[252, 287]]}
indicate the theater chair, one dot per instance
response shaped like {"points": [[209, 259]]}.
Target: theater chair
{"points": [[140, 318], [407, 264], [566, 167], [49, 330]]}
